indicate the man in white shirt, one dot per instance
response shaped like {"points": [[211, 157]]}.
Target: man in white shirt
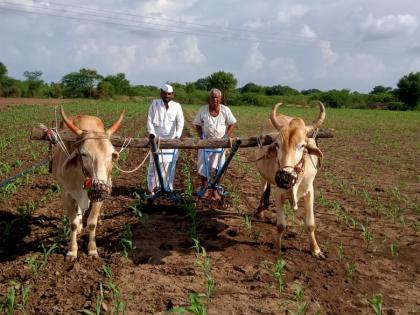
{"points": [[165, 120], [214, 120]]}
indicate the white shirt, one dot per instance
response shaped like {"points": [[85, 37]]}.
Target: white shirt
{"points": [[165, 123], [214, 127]]}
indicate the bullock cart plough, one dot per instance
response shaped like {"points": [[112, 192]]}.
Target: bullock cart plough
{"points": [[155, 145]]}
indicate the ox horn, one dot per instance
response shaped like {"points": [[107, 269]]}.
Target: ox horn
{"points": [[70, 124], [318, 122], [273, 117], [116, 125]]}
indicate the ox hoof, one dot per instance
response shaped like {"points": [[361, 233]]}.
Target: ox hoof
{"points": [[93, 253], [318, 254], [71, 256], [259, 214], [277, 247]]}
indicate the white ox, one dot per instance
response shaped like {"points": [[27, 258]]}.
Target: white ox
{"points": [[290, 163], [85, 175]]}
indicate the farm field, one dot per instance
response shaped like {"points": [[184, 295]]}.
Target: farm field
{"points": [[195, 257]]}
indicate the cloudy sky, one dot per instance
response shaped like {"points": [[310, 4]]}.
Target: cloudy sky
{"points": [[321, 44]]}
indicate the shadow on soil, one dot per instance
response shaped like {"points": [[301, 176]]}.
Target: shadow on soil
{"points": [[13, 229], [166, 231]]}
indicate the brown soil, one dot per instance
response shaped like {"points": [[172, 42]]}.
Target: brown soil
{"points": [[161, 271], [10, 101]]}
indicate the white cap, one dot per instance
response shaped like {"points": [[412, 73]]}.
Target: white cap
{"points": [[167, 88]]}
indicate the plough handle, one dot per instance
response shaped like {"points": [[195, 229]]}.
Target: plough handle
{"points": [[233, 150], [152, 140]]}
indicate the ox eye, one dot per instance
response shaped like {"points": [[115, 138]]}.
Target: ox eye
{"points": [[301, 146], [83, 154]]}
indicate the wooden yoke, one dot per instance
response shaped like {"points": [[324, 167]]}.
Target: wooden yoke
{"points": [[183, 143]]}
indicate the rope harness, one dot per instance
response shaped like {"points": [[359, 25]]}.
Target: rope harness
{"points": [[285, 179]]}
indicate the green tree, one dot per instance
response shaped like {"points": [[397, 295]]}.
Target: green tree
{"points": [[81, 84], [3, 80], [224, 81], [55, 90], [3, 70], [189, 92], [310, 91], [202, 84], [408, 90], [106, 89], [121, 86], [253, 88], [33, 82], [379, 89], [283, 90], [336, 98]]}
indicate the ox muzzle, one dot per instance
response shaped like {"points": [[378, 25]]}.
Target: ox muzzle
{"points": [[287, 180], [284, 179], [98, 190]]}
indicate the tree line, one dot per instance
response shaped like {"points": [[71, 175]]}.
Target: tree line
{"points": [[88, 83]]}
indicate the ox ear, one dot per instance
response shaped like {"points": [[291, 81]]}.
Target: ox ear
{"points": [[71, 160], [314, 150]]}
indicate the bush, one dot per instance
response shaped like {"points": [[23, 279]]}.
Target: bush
{"points": [[14, 91], [143, 90], [397, 106], [335, 98]]}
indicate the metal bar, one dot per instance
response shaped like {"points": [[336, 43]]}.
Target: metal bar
{"points": [[233, 150], [156, 160]]}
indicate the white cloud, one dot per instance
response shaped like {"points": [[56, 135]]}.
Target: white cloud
{"points": [[284, 70], [43, 3], [388, 26], [289, 12], [254, 24], [416, 63], [255, 61], [258, 67], [121, 58], [28, 4], [118, 58], [86, 50], [162, 54], [268, 42], [192, 53], [307, 32], [363, 67], [161, 7], [327, 52]]}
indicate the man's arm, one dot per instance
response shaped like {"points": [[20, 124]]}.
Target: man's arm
{"points": [[179, 123], [229, 130], [150, 127]]}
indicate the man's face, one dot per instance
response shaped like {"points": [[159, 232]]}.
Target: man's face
{"points": [[215, 99], [166, 96]]}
